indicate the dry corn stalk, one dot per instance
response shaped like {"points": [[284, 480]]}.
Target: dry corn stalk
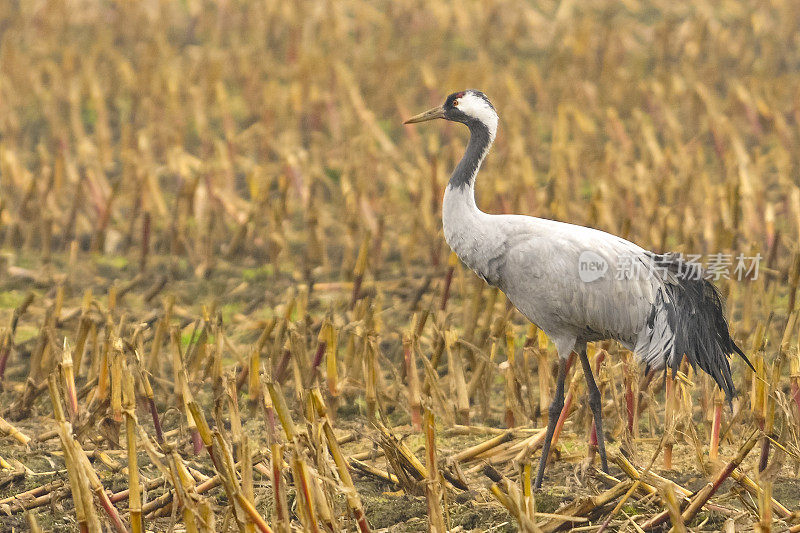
{"points": [[508, 494], [353, 499], [81, 496], [459, 383], [135, 498], [667, 491], [584, 507], [13, 432], [414, 397], [669, 418], [360, 269], [329, 335], [469, 453], [185, 492], [303, 482], [713, 447], [434, 489], [754, 489], [702, 496], [68, 375], [230, 482], [279, 489], [7, 337], [371, 377]]}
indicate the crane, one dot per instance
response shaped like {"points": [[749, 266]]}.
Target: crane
{"points": [[566, 279]]}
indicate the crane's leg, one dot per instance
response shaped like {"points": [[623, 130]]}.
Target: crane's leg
{"points": [[552, 417], [597, 406]]}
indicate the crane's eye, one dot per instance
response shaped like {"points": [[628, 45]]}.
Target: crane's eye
{"points": [[455, 103]]}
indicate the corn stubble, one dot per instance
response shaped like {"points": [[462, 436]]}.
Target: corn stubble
{"points": [[205, 206]]}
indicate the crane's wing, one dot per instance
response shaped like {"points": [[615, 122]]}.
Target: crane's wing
{"points": [[563, 276]]}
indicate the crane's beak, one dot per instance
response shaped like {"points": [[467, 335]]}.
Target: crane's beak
{"points": [[430, 114]]}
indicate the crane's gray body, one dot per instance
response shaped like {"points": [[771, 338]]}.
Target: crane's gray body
{"points": [[535, 263]]}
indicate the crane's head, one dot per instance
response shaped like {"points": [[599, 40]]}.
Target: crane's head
{"points": [[469, 107]]}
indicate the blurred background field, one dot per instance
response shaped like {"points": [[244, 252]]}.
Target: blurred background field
{"points": [[214, 197]]}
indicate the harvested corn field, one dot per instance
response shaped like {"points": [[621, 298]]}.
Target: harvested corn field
{"points": [[227, 304]]}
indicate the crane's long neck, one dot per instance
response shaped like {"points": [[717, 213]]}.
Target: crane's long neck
{"points": [[467, 229], [481, 138]]}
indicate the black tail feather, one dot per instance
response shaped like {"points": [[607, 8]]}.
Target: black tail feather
{"points": [[698, 323]]}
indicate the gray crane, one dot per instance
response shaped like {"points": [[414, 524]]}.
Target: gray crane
{"points": [[581, 284]]}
